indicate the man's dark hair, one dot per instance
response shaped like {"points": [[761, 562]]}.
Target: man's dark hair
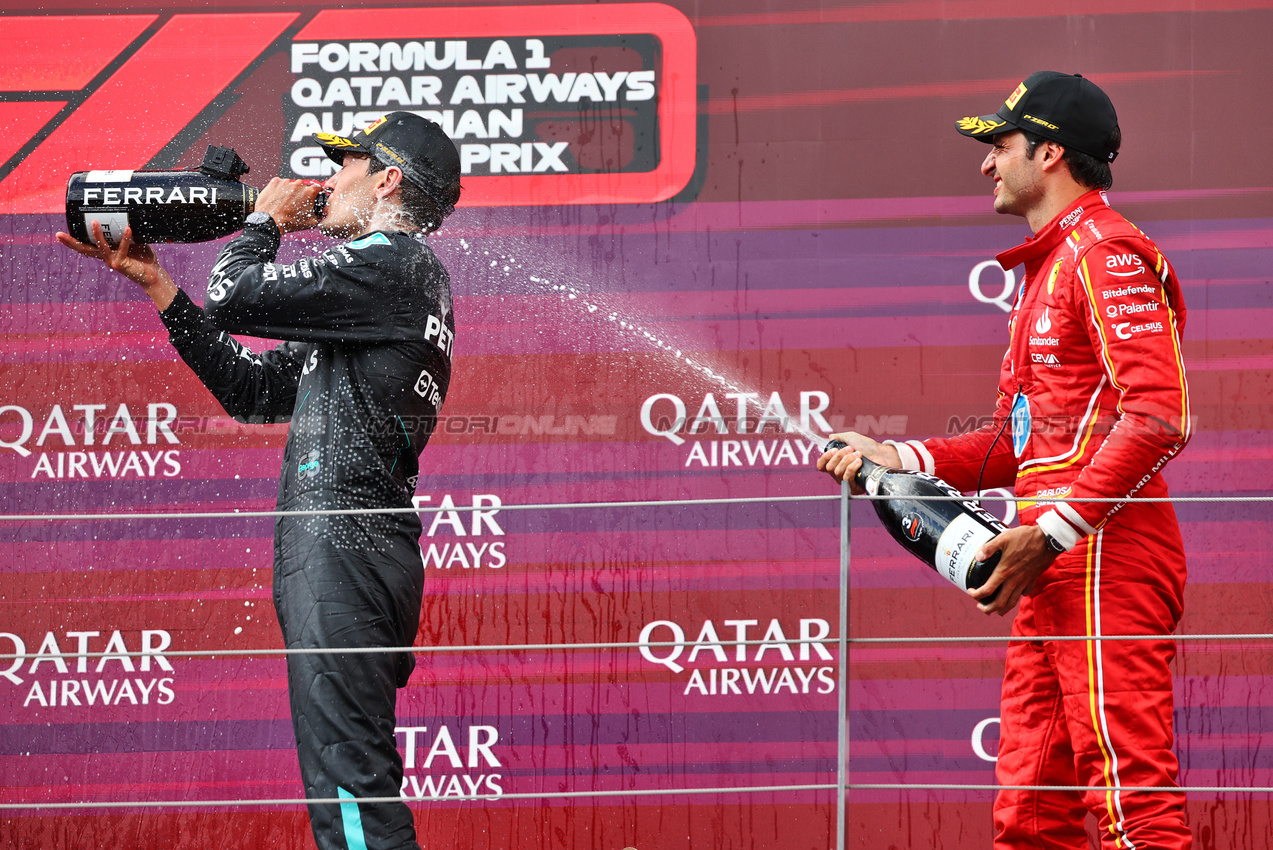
{"points": [[1084, 168], [424, 210]]}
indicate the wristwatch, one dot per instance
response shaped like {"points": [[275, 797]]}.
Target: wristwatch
{"points": [[259, 217], [1055, 545]]}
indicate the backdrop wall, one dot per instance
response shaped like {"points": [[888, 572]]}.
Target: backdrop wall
{"points": [[667, 206]]}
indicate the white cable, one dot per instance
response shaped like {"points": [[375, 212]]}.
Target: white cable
{"points": [[650, 792], [424, 509], [549, 647], [635, 792]]}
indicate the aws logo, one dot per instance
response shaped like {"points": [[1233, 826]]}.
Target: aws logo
{"points": [[1133, 264]]}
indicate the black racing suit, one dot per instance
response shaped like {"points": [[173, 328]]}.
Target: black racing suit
{"points": [[362, 376]]}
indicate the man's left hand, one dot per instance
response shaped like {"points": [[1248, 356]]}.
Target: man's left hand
{"points": [[1025, 556]]}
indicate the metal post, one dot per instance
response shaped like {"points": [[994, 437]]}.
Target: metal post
{"points": [[842, 771]]}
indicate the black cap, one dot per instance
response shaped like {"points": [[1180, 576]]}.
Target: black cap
{"points": [[1065, 108], [404, 140]]}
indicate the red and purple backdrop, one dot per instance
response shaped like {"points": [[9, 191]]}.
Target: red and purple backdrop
{"points": [[771, 192]]}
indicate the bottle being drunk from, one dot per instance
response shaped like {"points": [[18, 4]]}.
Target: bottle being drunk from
{"points": [[185, 205]]}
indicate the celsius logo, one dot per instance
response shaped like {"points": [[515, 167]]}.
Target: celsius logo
{"points": [[1044, 324], [1126, 330], [913, 526]]}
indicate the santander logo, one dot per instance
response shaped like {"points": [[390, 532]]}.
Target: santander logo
{"points": [[1044, 323]]}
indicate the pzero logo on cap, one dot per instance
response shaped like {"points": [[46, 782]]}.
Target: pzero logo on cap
{"points": [[1040, 121], [380, 146], [1015, 96], [979, 126]]}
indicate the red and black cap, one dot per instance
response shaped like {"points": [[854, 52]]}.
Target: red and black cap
{"points": [[409, 142], [1066, 108]]}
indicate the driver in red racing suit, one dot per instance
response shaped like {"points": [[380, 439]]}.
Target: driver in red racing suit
{"points": [[1093, 402]]}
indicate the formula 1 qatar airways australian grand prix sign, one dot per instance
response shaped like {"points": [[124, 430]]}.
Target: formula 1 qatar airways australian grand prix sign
{"points": [[547, 104]]}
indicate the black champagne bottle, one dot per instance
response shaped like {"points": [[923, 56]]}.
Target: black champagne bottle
{"points": [[946, 535], [191, 205]]}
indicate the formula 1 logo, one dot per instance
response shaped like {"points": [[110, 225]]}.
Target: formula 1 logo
{"points": [[548, 104], [511, 88], [912, 526]]}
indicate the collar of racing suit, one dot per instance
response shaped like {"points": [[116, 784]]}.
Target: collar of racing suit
{"points": [[1041, 244]]}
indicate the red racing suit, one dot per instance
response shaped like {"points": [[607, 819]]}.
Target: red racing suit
{"points": [[1093, 402]]}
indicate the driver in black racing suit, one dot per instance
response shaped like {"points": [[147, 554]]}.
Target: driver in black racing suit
{"points": [[362, 375]]}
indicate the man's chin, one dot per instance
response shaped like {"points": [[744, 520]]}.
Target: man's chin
{"points": [[335, 229]]}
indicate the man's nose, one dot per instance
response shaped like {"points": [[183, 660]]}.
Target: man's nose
{"points": [[988, 164]]}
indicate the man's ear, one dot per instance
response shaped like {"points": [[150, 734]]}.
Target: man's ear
{"points": [[390, 180], [1053, 152]]}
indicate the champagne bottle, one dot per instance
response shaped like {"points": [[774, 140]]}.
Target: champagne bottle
{"points": [[946, 535], [190, 205]]}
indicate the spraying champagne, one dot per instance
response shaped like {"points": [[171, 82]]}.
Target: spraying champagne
{"points": [[185, 205], [946, 535]]}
